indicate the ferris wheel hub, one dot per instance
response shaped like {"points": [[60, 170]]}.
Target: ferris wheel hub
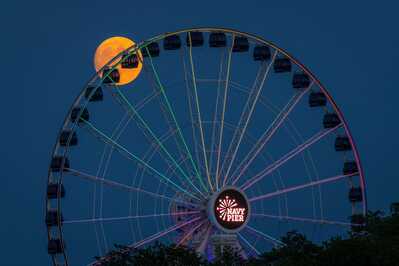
{"points": [[228, 209]]}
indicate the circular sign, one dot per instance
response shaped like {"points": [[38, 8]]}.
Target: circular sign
{"points": [[230, 209]]}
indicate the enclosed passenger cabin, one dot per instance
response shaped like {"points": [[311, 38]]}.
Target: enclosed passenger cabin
{"points": [[130, 61], [152, 50], [342, 143], [110, 75], [53, 189], [171, 42], [68, 135], [331, 120], [84, 114], [300, 81], [350, 168], [240, 44], [217, 39], [57, 162], [52, 218], [54, 246], [197, 39], [95, 92], [355, 194], [282, 65], [317, 99], [261, 53]]}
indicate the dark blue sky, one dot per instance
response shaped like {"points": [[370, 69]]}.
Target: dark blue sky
{"points": [[47, 57]]}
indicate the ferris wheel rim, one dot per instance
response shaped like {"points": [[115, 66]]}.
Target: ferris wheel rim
{"points": [[203, 29]]}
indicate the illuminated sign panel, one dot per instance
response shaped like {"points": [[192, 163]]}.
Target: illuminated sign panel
{"points": [[231, 209]]}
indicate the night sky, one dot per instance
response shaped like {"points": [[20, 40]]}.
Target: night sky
{"points": [[48, 47]]}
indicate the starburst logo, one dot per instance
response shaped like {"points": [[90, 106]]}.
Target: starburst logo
{"points": [[228, 212]]}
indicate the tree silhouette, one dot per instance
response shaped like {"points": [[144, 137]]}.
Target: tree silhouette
{"points": [[374, 244]]}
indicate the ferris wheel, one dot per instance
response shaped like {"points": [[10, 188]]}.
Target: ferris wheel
{"points": [[203, 138]]}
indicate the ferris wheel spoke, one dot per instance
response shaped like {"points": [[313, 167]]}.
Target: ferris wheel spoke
{"points": [[248, 244], [160, 86], [170, 169], [177, 141], [135, 158], [258, 146], [268, 134], [299, 187], [130, 217], [306, 220], [190, 233], [123, 186], [218, 170], [167, 117], [247, 113], [215, 117], [199, 114], [267, 237], [163, 233], [297, 150], [133, 113], [151, 151], [192, 119]]}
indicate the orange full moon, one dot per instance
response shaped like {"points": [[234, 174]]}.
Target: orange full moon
{"points": [[110, 48]]}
